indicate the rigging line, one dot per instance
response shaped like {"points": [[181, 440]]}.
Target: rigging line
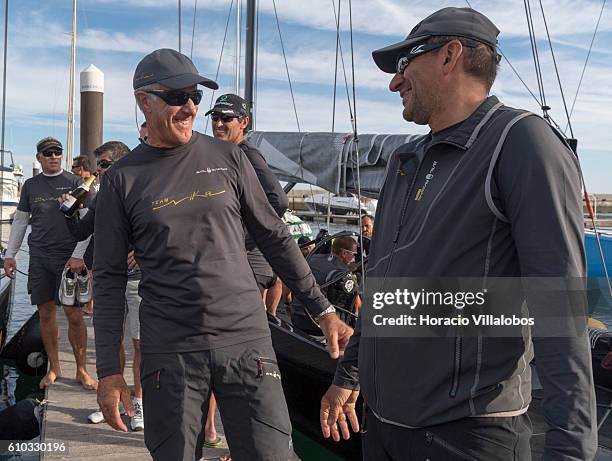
{"points": [[346, 85], [195, 9], [513, 68], [356, 138], [603, 5], [280, 35], [536, 57], [6, 5], [569, 123], [254, 109], [336, 62], [212, 96]]}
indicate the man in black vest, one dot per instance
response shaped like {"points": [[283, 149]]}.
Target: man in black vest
{"points": [[492, 194]]}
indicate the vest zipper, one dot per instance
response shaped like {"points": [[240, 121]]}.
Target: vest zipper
{"points": [[395, 240]]}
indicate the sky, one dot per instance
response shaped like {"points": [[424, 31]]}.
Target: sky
{"points": [[115, 34]]}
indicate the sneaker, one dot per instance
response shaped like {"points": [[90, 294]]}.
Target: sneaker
{"points": [[83, 291], [137, 421], [97, 417], [67, 290]]}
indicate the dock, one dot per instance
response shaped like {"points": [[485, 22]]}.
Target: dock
{"points": [[68, 404]]}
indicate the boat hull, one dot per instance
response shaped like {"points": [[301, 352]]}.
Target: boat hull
{"points": [[6, 291], [307, 372]]}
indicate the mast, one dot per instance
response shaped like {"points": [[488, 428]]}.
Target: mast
{"points": [[249, 65], [238, 40], [179, 25], [71, 93], [3, 105]]}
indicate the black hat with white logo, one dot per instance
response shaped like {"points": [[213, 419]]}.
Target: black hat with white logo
{"points": [[456, 22], [171, 69], [230, 104]]}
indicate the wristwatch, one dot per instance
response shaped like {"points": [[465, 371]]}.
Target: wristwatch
{"points": [[330, 310]]}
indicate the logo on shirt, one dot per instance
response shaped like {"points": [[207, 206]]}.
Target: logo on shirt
{"points": [[210, 170], [43, 199], [428, 177], [167, 201]]}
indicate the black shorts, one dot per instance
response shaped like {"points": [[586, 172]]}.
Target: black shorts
{"points": [[265, 282], [44, 277], [247, 385]]}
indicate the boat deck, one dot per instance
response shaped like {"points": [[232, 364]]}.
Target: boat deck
{"points": [[65, 418]]}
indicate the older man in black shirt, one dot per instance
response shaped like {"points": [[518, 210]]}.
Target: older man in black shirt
{"points": [[181, 198]]}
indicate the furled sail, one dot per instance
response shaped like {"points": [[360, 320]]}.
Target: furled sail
{"points": [[329, 160]]}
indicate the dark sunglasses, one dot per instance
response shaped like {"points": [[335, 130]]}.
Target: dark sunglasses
{"points": [[223, 118], [177, 98], [423, 48], [104, 164], [52, 153]]}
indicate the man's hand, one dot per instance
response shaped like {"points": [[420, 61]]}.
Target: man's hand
{"points": [[62, 198], [338, 407], [76, 265], [10, 267], [131, 262], [337, 334], [111, 389]]}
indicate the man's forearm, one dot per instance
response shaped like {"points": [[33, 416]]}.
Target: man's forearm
{"points": [[18, 230]]}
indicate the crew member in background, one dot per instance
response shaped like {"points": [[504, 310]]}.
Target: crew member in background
{"points": [[325, 267], [52, 248], [81, 166], [230, 120], [367, 228], [83, 227], [182, 200]]}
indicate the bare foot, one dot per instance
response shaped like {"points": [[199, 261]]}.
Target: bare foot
{"points": [[86, 381], [49, 379]]}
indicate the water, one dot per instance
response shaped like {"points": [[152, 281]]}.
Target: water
{"points": [[15, 386]]}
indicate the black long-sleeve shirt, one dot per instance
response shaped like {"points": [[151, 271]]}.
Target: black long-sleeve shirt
{"points": [[276, 196], [183, 209]]}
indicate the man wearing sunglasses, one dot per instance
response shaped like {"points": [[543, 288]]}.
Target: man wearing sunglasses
{"points": [[230, 119], [492, 194], [181, 198], [324, 267], [51, 249]]}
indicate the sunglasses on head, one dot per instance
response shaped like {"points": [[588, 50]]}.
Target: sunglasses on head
{"points": [[104, 164], [224, 118], [52, 153], [177, 98]]}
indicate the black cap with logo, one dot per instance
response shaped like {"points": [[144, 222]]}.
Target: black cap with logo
{"points": [[171, 69], [48, 143], [458, 22], [230, 104]]}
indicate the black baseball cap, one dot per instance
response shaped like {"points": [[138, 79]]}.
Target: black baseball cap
{"points": [[230, 104], [303, 240], [459, 22], [169, 68], [48, 143]]}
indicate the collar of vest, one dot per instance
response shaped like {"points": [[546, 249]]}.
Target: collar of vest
{"points": [[467, 132]]}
